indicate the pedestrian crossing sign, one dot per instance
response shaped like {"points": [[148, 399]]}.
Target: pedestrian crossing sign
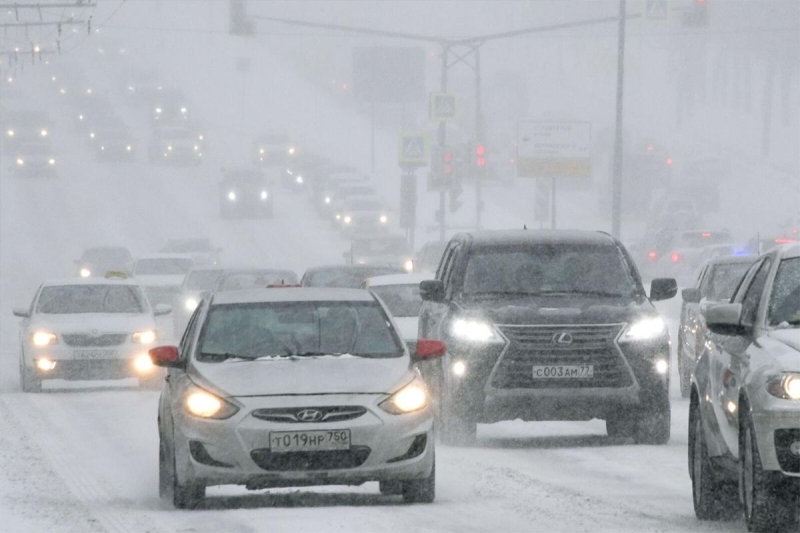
{"points": [[656, 9], [443, 107], [412, 148]]}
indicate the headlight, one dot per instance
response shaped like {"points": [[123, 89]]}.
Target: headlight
{"points": [[147, 336], [232, 196], [80, 117], [10, 133], [661, 366], [299, 179], [143, 364], [129, 148], [44, 338], [384, 219], [338, 217], [348, 219], [264, 195], [413, 397], [85, 272], [191, 304], [327, 199], [20, 161], [43, 133], [474, 331], [183, 110], [91, 135], [51, 161], [203, 404], [786, 386], [158, 110], [261, 151], [459, 368], [292, 150], [196, 148], [645, 329], [169, 148], [45, 364], [409, 265]]}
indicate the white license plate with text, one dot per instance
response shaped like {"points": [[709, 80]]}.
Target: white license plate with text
{"points": [[309, 441], [95, 354], [563, 372]]}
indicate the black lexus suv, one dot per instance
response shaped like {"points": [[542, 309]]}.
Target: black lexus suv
{"points": [[547, 325]]}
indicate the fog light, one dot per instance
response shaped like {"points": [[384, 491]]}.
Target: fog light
{"points": [[143, 363], [731, 407], [795, 448], [45, 364], [409, 265], [459, 368], [662, 366], [85, 272], [299, 179]]}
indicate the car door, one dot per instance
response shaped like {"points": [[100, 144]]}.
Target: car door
{"points": [[730, 365], [690, 318], [434, 313], [169, 397]]}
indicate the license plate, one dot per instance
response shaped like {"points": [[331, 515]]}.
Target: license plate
{"points": [[563, 372], [309, 441], [95, 354]]}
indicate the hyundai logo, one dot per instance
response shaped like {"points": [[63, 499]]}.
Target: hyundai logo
{"points": [[309, 415], [562, 338]]}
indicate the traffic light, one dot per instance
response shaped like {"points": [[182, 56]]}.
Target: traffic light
{"points": [[239, 23], [697, 14], [444, 165], [479, 163]]}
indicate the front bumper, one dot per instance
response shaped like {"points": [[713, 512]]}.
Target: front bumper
{"points": [[35, 168], [776, 430], [231, 450]]}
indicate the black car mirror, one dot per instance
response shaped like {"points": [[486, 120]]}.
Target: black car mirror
{"points": [[663, 289], [691, 295], [432, 290], [725, 319]]}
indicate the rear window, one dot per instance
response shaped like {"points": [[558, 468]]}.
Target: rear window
{"points": [[346, 278], [203, 280], [251, 280], [385, 246], [402, 300], [701, 239], [76, 299]]}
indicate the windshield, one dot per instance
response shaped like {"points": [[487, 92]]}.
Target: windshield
{"points": [[251, 280], [402, 300], [297, 328], [385, 246], [347, 278], [162, 267], [784, 302], [74, 299], [724, 279], [202, 280], [549, 269]]}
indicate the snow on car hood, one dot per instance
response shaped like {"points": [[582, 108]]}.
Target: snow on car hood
{"points": [[304, 375], [160, 280], [102, 322], [790, 337]]}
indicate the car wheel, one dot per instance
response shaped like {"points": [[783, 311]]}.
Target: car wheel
{"points": [[654, 418], [188, 495], [714, 497], [29, 382], [768, 507], [421, 490], [390, 488]]}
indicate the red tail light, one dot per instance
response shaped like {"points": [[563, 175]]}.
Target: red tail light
{"points": [[651, 255], [706, 234], [676, 257], [669, 161], [784, 240]]}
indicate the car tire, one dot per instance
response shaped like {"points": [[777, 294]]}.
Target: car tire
{"points": [[683, 378], [28, 380], [188, 495], [654, 418], [164, 473], [768, 507], [713, 496], [421, 490], [390, 488]]}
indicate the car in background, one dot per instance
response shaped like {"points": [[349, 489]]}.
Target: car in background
{"points": [[760, 244], [94, 113], [294, 387], [715, 284], [99, 260], [547, 325], [345, 276], [324, 188], [429, 256], [339, 192], [113, 141], [235, 279], [389, 250], [175, 144], [744, 407], [201, 250], [674, 252], [161, 275], [25, 126], [358, 215], [245, 193], [34, 159], [140, 87], [274, 149], [169, 107], [81, 329], [400, 294], [197, 284]]}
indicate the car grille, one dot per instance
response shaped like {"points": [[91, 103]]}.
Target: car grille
{"points": [[161, 295], [293, 414], [535, 345], [301, 461], [86, 340]]}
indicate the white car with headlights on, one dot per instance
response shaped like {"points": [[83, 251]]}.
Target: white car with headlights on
{"points": [[90, 328], [294, 387], [245, 193], [35, 159], [744, 409], [198, 283]]}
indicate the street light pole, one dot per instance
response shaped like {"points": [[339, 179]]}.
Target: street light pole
{"points": [[443, 141], [616, 178]]}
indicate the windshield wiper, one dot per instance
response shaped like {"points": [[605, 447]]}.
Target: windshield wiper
{"points": [[591, 292], [312, 354], [225, 356]]}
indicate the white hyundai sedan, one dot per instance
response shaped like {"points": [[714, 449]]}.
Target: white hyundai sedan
{"points": [[286, 387], [90, 328]]}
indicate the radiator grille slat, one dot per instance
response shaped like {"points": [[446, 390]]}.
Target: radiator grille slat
{"points": [[92, 341]]}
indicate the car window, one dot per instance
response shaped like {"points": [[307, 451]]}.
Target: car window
{"points": [[753, 295], [285, 329], [402, 300], [162, 267], [445, 260], [188, 334], [722, 279], [784, 301], [202, 280], [77, 299]]}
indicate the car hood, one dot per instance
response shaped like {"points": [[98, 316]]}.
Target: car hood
{"points": [[305, 375], [790, 338], [102, 322], [159, 281], [519, 310]]}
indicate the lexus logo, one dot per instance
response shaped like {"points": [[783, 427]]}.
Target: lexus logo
{"points": [[309, 415], [562, 338]]}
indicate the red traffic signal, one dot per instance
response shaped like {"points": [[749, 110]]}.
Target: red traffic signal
{"points": [[480, 155], [448, 162]]}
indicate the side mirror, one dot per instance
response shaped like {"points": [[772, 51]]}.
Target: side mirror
{"points": [[691, 296], [162, 309], [166, 356], [725, 319], [663, 289], [430, 349], [21, 312], [431, 290]]}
